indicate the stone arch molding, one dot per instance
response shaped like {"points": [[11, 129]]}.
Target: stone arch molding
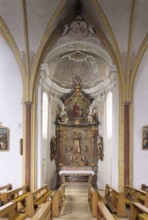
{"points": [[4, 30]]}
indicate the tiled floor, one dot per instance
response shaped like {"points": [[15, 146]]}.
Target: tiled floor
{"points": [[76, 205]]}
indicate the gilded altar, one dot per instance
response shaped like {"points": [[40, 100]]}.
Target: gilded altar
{"points": [[77, 134]]}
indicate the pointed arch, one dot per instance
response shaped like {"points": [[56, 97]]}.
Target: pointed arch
{"points": [[11, 42], [112, 36], [140, 54], [42, 48], [50, 37]]}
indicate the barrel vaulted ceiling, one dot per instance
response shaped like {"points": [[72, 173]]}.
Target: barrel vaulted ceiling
{"points": [[123, 23]]}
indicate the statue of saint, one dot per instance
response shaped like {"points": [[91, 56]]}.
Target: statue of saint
{"points": [[76, 139], [100, 147]]}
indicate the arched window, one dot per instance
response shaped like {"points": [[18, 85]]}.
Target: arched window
{"points": [[109, 114], [44, 115]]}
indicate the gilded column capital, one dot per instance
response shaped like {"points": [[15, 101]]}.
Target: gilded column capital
{"points": [[27, 103]]}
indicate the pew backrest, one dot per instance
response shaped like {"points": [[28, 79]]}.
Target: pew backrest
{"points": [[144, 187], [93, 198], [138, 211], [115, 201], [37, 198], [58, 199], [5, 187], [136, 195], [10, 210], [44, 212], [14, 193], [103, 213]]}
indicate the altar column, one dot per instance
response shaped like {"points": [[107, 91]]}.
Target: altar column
{"points": [[126, 143], [28, 144]]}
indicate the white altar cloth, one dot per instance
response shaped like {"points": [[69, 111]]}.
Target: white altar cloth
{"points": [[88, 173], [77, 172]]}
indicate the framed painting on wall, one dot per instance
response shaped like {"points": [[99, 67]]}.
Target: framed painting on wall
{"points": [[145, 138], [4, 139]]}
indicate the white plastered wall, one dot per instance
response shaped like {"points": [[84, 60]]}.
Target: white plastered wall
{"points": [[10, 116], [140, 119]]}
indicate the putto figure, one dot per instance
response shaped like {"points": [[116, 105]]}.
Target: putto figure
{"points": [[63, 115]]}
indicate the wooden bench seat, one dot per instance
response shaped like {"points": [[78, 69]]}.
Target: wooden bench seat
{"points": [[103, 213], [40, 200], [13, 194], [115, 201], [44, 212], [138, 211]]}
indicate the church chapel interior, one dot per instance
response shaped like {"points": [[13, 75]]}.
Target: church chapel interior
{"points": [[74, 94]]}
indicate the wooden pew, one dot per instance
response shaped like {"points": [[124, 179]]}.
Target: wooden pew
{"points": [[15, 194], [93, 198], [144, 187], [115, 201], [58, 199], [136, 195], [10, 210], [4, 188], [138, 211], [103, 213], [44, 212], [36, 198]]}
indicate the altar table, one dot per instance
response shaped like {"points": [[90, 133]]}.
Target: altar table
{"points": [[88, 173]]}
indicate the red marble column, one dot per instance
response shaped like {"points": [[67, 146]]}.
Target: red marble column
{"points": [[126, 143], [28, 143]]}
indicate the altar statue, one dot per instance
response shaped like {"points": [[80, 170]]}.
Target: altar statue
{"points": [[53, 148], [76, 139], [63, 115], [100, 147]]}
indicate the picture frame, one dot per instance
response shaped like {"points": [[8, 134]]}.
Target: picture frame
{"points": [[145, 138], [4, 138]]}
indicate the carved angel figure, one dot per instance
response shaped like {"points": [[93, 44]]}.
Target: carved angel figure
{"points": [[63, 114], [91, 117]]}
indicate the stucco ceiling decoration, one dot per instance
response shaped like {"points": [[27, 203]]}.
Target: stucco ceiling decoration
{"points": [[78, 30], [73, 55], [92, 70]]}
